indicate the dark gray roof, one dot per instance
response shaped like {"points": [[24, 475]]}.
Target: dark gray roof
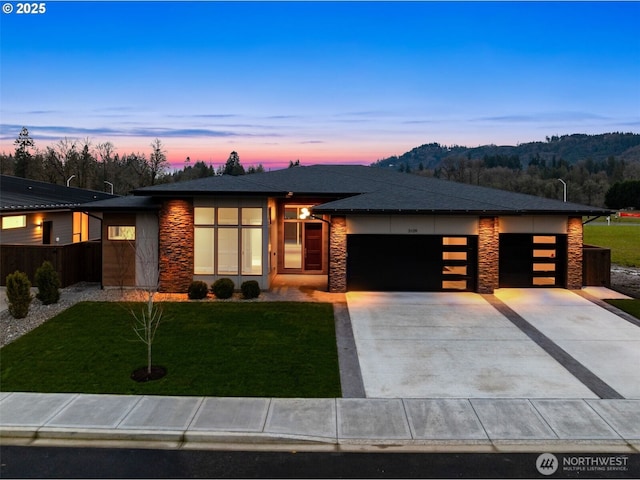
{"points": [[20, 194], [127, 203], [360, 189]]}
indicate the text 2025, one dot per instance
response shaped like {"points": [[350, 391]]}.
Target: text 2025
{"points": [[31, 8]]}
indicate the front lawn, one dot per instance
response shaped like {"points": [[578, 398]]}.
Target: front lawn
{"points": [[271, 349], [631, 306]]}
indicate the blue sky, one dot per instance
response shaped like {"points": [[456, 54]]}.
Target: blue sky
{"points": [[317, 81]]}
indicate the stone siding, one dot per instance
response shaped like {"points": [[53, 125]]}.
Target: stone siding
{"points": [[574, 253], [488, 254], [176, 246], [338, 255]]}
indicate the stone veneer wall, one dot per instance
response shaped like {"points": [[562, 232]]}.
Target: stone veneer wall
{"points": [[176, 245], [574, 253], [338, 255], [488, 254]]}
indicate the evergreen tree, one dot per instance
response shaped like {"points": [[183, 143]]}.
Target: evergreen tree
{"points": [[233, 167], [24, 143]]}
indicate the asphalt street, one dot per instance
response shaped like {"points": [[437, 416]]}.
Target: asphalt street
{"points": [[63, 462]]}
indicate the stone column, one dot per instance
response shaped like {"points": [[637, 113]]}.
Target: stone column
{"points": [[574, 253], [488, 254], [176, 245], [338, 255]]}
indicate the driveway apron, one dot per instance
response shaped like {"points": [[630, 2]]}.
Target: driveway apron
{"points": [[432, 344]]}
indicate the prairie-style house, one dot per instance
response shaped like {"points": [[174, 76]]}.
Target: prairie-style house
{"points": [[364, 228]]}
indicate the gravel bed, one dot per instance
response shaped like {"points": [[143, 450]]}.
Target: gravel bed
{"points": [[623, 279]]}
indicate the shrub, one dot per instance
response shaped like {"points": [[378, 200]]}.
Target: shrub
{"points": [[250, 289], [18, 294], [223, 288], [48, 284], [198, 290]]}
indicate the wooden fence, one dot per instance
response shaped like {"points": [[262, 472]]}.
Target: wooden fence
{"points": [[74, 262], [596, 266]]}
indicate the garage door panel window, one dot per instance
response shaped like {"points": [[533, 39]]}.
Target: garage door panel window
{"points": [[454, 270]]}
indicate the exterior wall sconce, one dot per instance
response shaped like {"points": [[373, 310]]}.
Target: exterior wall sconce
{"points": [[305, 213]]}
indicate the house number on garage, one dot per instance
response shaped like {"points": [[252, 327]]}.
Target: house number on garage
{"points": [[412, 230]]}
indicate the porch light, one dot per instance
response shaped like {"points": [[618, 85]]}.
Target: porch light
{"points": [[305, 213]]}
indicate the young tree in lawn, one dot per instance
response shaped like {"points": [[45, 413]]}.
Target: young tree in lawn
{"points": [[147, 321]]}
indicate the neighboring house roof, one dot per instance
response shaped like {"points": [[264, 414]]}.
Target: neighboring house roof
{"points": [[360, 189], [127, 203], [21, 194]]}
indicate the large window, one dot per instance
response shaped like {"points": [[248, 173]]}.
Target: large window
{"points": [[16, 221], [228, 241]]}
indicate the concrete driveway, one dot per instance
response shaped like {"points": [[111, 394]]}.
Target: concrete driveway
{"points": [[606, 344], [417, 345]]}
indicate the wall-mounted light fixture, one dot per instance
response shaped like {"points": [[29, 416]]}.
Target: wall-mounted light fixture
{"points": [[305, 213]]}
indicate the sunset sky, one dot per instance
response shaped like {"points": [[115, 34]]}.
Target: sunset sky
{"points": [[322, 82]]}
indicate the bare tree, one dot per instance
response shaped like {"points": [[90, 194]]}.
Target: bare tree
{"points": [[158, 160], [146, 324], [106, 151], [147, 321]]}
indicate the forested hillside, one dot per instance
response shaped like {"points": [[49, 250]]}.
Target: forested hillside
{"points": [[588, 164]]}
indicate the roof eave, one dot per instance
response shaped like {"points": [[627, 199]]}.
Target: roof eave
{"points": [[372, 211]]}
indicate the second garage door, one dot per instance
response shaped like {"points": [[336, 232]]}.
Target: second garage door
{"points": [[411, 263]]}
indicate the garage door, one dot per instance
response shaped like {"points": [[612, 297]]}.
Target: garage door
{"points": [[411, 263], [533, 260]]}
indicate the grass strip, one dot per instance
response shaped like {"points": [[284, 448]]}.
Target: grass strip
{"points": [[631, 306]]}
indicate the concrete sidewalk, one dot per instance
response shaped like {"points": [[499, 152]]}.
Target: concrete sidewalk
{"points": [[327, 424]]}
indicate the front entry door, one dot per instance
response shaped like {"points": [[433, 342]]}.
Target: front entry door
{"points": [[47, 228], [313, 246]]}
